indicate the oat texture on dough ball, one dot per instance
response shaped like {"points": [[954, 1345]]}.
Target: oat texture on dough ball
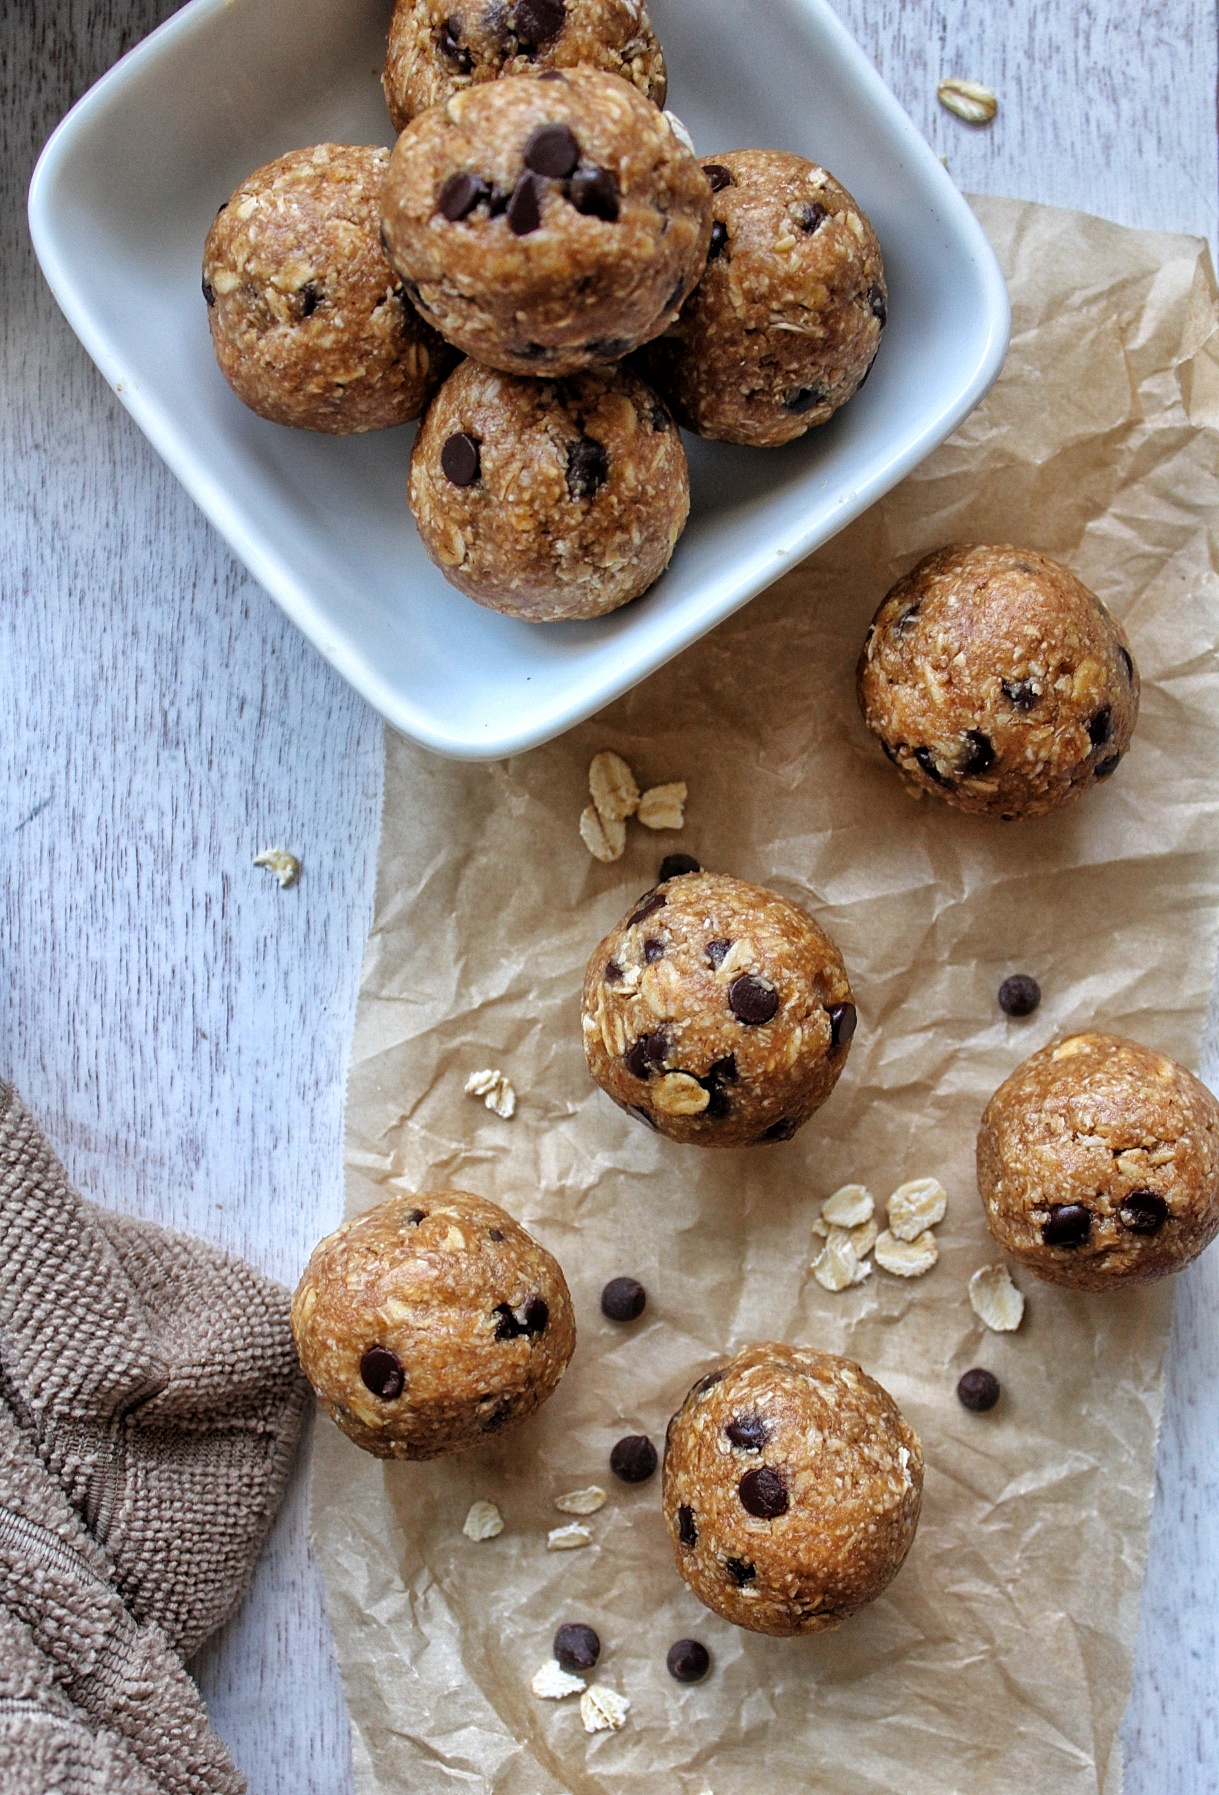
{"points": [[438, 47], [717, 1012], [1098, 1164], [431, 1323], [546, 226], [786, 322], [792, 1487], [310, 325], [994, 679], [549, 499]]}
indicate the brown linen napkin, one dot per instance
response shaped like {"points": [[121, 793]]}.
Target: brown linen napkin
{"points": [[150, 1406]]}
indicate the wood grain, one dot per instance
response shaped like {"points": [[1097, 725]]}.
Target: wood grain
{"points": [[178, 1022]]}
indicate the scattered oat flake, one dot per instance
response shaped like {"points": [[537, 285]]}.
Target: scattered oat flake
{"points": [[605, 840], [864, 1237], [551, 1683], [995, 1300], [905, 1258], [920, 1204], [581, 1502], [603, 1710], [569, 1538], [285, 867], [664, 806], [612, 784], [495, 1090], [484, 1521], [849, 1207], [969, 100], [836, 1266]]}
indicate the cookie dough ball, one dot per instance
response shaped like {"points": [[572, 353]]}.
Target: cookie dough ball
{"points": [[310, 324], [549, 499], [717, 1012], [546, 226], [786, 322], [792, 1488], [437, 47], [994, 679], [1098, 1164], [431, 1323]]}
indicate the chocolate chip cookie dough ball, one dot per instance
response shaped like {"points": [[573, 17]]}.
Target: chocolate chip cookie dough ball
{"points": [[792, 1488], [717, 1012], [546, 226], [431, 1323], [549, 499], [994, 679], [1098, 1164], [786, 322], [310, 324], [437, 47]]}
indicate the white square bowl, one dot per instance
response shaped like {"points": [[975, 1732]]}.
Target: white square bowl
{"points": [[121, 201]]}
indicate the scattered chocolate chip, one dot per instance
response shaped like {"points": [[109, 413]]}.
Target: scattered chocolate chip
{"points": [[687, 1527], [536, 21], [382, 1373], [552, 150], [1126, 660], [646, 1054], [497, 202], [978, 1390], [415, 1216], [653, 950], [576, 1647], [740, 1571], [623, 1299], [452, 48], [724, 1071], [525, 206], [613, 973], [661, 421], [979, 754], [1101, 727], [752, 1000], [807, 399], [507, 1327], [688, 1661], [1069, 1225], [926, 760], [707, 1382], [908, 617], [650, 902], [495, 1233], [676, 866], [1020, 692], [749, 1432], [551, 75], [719, 240], [459, 196], [633, 1459], [1019, 995], [461, 459], [763, 1493], [782, 1130], [717, 953], [879, 305], [890, 752], [1104, 768], [594, 194], [719, 176], [1143, 1212], [813, 215], [209, 292], [719, 1103], [844, 1019], [587, 468], [537, 1316]]}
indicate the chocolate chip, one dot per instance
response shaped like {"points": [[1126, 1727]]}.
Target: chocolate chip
{"points": [[1069, 1225], [719, 176], [814, 214], [594, 194], [576, 1647], [1020, 692], [719, 240], [979, 754], [552, 150], [1104, 768], [752, 1000], [647, 1054], [926, 760], [623, 1299], [879, 305], [587, 468], [536, 21], [782, 1130], [525, 206], [497, 202], [978, 1390], [717, 953], [650, 902], [719, 1103], [382, 1373], [415, 1216], [687, 1527], [749, 1432], [461, 459], [633, 1459], [890, 752], [537, 1315], [1125, 658], [688, 1661], [495, 1233], [499, 1414], [452, 48], [1100, 729], [1019, 995], [662, 421], [613, 973], [459, 196], [676, 866], [707, 1382], [740, 1571], [1143, 1212], [807, 399], [724, 1071], [763, 1493], [907, 619], [508, 1327], [653, 950], [209, 292], [844, 1019]]}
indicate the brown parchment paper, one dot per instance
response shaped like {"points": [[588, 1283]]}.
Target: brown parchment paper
{"points": [[999, 1659]]}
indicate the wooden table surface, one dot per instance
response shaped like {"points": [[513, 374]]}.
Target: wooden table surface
{"points": [[181, 1025]]}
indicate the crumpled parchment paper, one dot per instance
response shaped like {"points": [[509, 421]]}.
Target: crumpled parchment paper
{"points": [[1000, 1657]]}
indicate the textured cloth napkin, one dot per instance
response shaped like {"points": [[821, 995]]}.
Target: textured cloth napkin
{"points": [[150, 1406]]}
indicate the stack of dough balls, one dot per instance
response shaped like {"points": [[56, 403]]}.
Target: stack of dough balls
{"points": [[541, 215]]}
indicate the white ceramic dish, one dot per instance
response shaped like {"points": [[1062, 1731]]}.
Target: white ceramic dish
{"points": [[121, 201]]}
